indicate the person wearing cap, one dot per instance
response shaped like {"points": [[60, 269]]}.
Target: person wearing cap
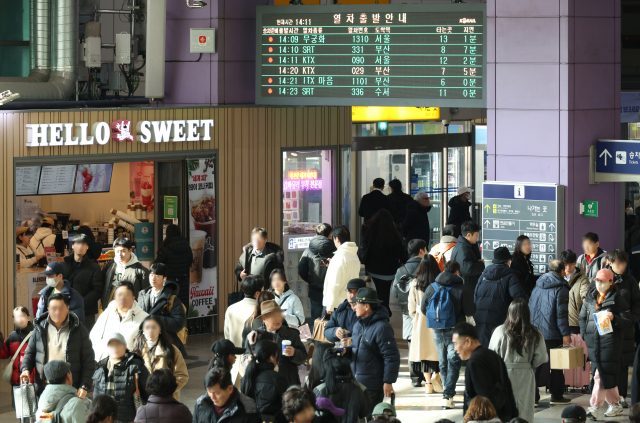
{"points": [[573, 414], [460, 207], [85, 276], [61, 396], [371, 203], [375, 358], [293, 355], [549, 305], [224, 402], [120, 375], [342, 320], [416, 220], [28, 257], [467, 253], [44, 237], [606, 303], [497, 287], [56, 284], [156, 348], [59, 335], [225, 354]]}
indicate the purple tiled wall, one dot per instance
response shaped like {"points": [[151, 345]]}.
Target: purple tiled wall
{"points": [[554, 82]]}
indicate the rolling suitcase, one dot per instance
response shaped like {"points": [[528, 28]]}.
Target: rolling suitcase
{"points": [[581, 377]]}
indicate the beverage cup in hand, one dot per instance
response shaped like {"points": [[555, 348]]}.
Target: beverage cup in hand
{"points": [[285, 344]]}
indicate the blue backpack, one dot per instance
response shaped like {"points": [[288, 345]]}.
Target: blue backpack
{"points": [[441, 314]]}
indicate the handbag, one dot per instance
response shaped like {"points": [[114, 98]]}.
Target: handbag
{"points": [[137, 399], [25, 400], [318, 329], [8, 370]]}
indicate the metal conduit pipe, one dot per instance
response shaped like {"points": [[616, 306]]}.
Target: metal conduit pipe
{"points": [[60, 53]]}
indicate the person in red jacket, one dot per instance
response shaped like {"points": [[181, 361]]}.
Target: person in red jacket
{"points": [[24, 327]]}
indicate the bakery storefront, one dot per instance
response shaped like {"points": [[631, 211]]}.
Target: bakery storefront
{"points": [[213, 172]]}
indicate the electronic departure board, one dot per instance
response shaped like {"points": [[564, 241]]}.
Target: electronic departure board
{"points": [[422, 55]]}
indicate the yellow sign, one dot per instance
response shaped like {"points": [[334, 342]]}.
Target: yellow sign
{"points": [[389, 114]]}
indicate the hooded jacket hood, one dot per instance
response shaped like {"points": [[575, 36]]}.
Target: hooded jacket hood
{"points": [[52, 394], [42, 233], [415, 206], [321, 245], [135, 309], [496, 272], [133, 260], [448, 239], [348, 248], [551, 280], [448, 279]]}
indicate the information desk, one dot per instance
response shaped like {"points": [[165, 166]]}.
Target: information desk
{"points": [[384, 55]]}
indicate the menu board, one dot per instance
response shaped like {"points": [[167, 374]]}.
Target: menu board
{"points": [[27, 179], [511, 209], [420, 55], [57, 179]]}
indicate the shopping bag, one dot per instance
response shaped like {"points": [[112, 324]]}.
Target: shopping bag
{"points": [[305, 332], [580, 376], [137, 399], [318, 328], [26, 400]]}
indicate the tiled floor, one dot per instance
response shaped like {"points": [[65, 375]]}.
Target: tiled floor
{"points": [[412, 404]]}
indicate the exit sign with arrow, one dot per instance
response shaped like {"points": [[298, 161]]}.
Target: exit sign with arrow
{"points": [[618, 157]]}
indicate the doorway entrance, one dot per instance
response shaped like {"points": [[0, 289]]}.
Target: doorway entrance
{"points": [[437, 164]]}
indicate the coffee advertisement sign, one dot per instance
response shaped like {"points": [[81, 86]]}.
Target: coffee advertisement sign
{"points": [[203, 279]]}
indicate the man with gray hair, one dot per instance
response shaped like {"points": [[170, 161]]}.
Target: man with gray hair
{"points": [[416, 222]]}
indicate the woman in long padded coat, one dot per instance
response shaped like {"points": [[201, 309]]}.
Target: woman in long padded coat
{"points": [[521, 346]]}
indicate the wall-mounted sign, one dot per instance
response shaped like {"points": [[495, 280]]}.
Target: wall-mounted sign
{"points": [[299, 243], [303, 174], [170, 207], [590, 209], [302, 184], [144, 241], [67, 134], [511, 209], [390, 114], [419, 55]]}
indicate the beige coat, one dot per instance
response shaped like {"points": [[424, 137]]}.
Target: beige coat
{"points": [[179, 371], [579, 287], [422, 345]]}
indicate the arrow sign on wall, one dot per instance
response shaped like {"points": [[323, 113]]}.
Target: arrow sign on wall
{"points": [[605, 153]]}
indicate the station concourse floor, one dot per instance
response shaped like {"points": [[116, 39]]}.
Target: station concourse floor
{"points": [[412, 404]]}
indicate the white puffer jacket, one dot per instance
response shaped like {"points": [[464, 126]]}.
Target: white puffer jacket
{"points": [[109, 322], [344, 266]]}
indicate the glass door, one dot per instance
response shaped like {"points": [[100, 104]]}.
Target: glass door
{"points": [[426, 175]]}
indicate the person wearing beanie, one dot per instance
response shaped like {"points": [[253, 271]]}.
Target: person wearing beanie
{"points": [[604, 307], [573, 414], [344, 318]]}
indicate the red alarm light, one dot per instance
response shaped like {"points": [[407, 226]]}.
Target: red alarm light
{"points": [[270, 80], [269, 90], [270, 49], [270, 39]]}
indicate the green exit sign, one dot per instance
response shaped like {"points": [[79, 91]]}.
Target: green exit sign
{"points": [[591, 209]]}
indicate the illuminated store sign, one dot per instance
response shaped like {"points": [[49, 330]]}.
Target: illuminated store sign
{"points": [[303, 174], [59, 134], [299, 243], [302, 184]]}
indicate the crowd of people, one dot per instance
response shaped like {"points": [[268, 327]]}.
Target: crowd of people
{"points": [[117, 334]]}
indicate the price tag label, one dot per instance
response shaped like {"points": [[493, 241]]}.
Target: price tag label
{"points": [[65, 234]]}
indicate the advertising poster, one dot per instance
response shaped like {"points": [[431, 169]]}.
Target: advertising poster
{"points": [[93, 178], [141, 183], [37, 282], [203, 280], [144, 241]]}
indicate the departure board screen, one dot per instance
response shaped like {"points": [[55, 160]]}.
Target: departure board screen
{"points": [[423, 55]]}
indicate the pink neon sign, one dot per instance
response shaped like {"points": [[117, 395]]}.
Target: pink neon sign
{"points": [[302, 184]]}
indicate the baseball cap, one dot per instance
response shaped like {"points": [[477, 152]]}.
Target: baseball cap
{"points": [[384, 408], [574, 412], [116, 336], [21, 230], [225, 347], [356, 283], [54, 268], [48, 221], [56, 369], [604, 275], [462, 190]]}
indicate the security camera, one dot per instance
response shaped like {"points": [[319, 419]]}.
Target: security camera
{"points": [[445, 122]]}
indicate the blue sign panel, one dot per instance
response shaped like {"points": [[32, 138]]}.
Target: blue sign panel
{"points": [[618, 157], [144, 241]]}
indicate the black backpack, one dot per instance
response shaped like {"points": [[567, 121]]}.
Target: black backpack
{"points": [[404, 284], [318, 273]]}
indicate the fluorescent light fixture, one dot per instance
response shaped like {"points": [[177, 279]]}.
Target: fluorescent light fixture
{"points": [[7, 96]]}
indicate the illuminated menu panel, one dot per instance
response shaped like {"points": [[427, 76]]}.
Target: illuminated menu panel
{"points": [[421, 55], [27, 179], [57, 179]]}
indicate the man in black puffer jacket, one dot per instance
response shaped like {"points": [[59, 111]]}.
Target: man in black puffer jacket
{"points": [[312, 267], [344, 318], [497, 287], [59, 335], [629, 290], [467, 253], [234, 406]]}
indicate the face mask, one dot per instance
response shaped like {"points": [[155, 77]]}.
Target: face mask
{"points": [[51, 282], [602, 287]]}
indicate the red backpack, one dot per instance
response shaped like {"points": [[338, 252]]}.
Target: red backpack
{"points": [[440, 256]]}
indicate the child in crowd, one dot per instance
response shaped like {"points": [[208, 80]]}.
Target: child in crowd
{"points": [[286, 299], [18, 339], [605, 350]]}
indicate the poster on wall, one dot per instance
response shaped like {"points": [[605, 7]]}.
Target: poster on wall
{"points": [[203, 280], [37, 282], [141, 184], [144, 241]]}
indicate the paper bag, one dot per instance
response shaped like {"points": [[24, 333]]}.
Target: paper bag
{"points": [[566, 358]]}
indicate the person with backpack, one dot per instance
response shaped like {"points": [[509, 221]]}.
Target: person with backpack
{"points": [[342, 321], [497, 287], [485, 375], [467, 254], [313, 264], [443, 250], [417, 249], [59, 402], [124, 267], [522, 265], [446, 302], [423, 356]]}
